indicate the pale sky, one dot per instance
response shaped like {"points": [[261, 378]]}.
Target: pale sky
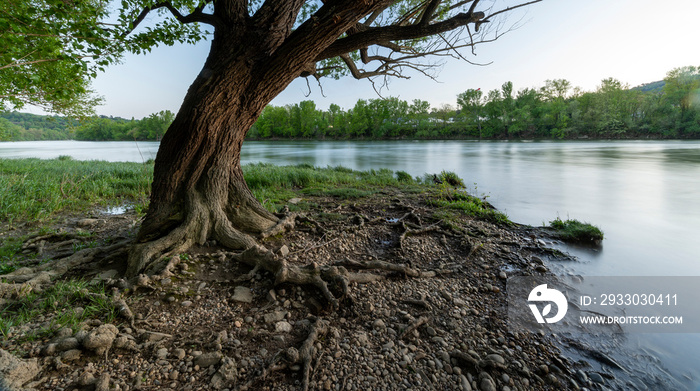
{"points": [[583, 41]]}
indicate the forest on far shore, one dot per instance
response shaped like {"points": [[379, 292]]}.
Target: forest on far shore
{"points": [[664, 109]]}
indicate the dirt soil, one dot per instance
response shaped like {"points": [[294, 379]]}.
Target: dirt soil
{"points": [[211, 324]]}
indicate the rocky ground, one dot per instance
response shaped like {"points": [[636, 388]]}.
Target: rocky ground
{"points": [[211, 324]]}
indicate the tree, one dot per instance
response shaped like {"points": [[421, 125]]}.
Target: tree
{"points": [[258, 49], [681, 88], [471, 107]]}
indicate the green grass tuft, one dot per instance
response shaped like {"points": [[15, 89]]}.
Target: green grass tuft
{"points": [[576, 231], [469, 205], [403, 176], [451, 179]]}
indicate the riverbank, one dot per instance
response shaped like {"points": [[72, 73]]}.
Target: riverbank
{"points": [[203, 327]]}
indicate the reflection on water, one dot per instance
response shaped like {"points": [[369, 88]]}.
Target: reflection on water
{"points": [[643, 194]]}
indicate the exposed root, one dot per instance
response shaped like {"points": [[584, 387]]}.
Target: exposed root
{"points": [[62, 266], [119, 303], [286, 223], [292, 356], [382, 265], [18, 290], [305, 219], [307, 350], [312, 274], [307, 249], [414, 326], [149, 257], [416, 231]]}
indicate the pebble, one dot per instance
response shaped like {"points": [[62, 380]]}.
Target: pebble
{"points": [[273, 317], [162, 353], [242, 294], [581, 376], [206, 360], [283, 327], [71, 355], [379, 325], [464, 383], [596, 378]]}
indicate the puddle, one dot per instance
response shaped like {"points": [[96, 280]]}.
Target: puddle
{"points": [[115, 210]]}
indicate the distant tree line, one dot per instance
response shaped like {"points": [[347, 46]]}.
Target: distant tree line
{"points": [[30, 127], [152, 128], [664, 109], [668, 109]]}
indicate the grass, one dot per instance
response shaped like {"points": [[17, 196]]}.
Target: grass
{"points": [[275, 185], [60, 300], [576, 231], [457, 200], [36, 190], [9, 254]]}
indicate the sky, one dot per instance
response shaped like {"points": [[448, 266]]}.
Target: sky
{"points": [[634, 41]]}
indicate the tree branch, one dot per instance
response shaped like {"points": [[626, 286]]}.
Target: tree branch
{"points": [[395, 33], [428, 12], [197, 16], [367, 36]]}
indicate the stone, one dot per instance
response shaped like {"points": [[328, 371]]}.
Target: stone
{"points": [[596, 378], [86, 378], [226, 374], [581, 376], [271, 296], [242, 294], [283, 251], [64, 332], [15, 372], [102, 383], [486, 383], [206, 360], [179, 353], [275, 316], [123, 342], [100, 339], [186, 303], [283, 327], [71, 355], [379, 325], [86, 223], [362, 338], [495, 358], [49, 350], [162, 353], [464, 383], [67, 343]]}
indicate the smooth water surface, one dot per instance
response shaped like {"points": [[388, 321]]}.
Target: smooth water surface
{"points": [[645, 195]]}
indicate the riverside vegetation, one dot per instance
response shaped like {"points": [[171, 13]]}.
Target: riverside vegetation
{"points": [[430, 315], [664, 109]]}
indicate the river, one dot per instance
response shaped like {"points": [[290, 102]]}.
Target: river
{"points": [[643, 194]]}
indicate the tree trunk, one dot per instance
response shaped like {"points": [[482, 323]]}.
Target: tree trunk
{"points": [[198, 191]]}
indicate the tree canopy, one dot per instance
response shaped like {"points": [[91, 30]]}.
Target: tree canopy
{"points": [[53, 48]]}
